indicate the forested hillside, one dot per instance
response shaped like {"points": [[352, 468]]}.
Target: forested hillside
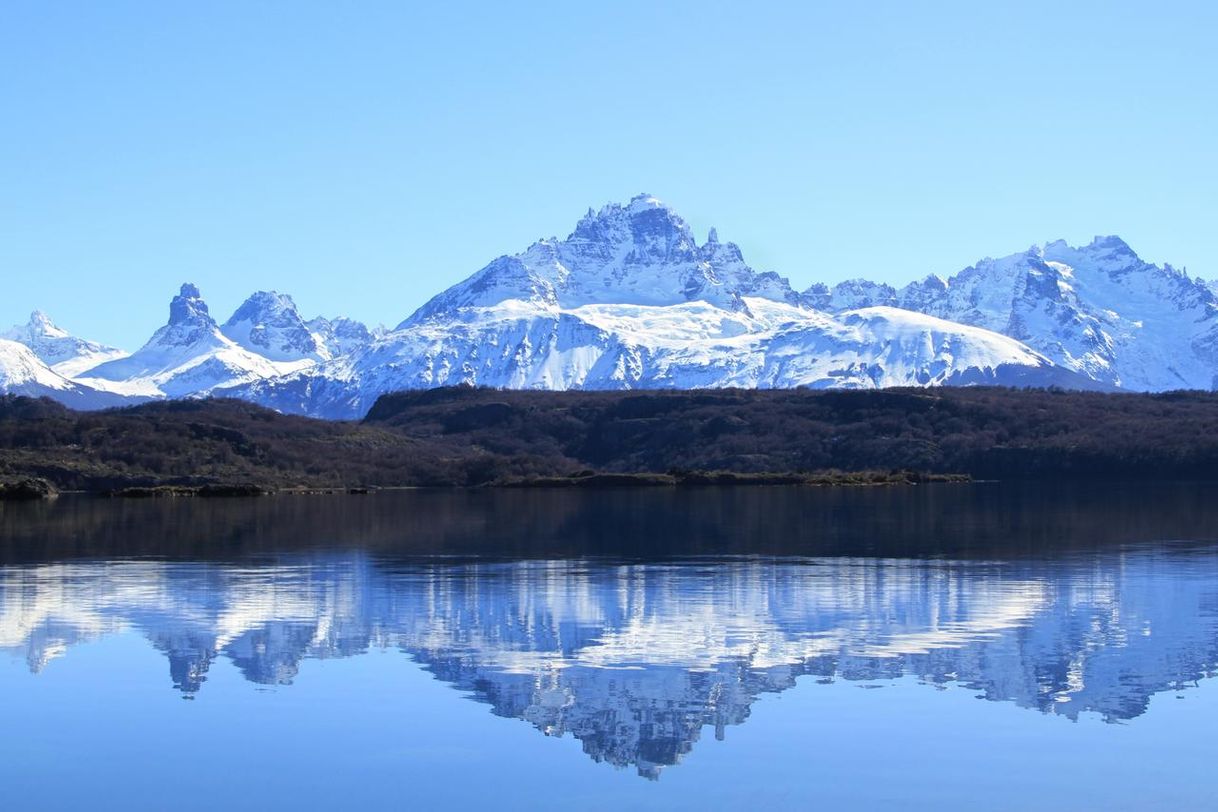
{"points": [[467, 436]]}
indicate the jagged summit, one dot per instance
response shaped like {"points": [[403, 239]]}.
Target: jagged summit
{"points": [[639, 253], [40, 324], [188, 307], [1110, 242]]}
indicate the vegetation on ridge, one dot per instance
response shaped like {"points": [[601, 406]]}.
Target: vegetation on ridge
{"points": [[464, 436]]}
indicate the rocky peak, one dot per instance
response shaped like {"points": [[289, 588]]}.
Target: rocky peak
{"points": [[40, 324], [645, 229], [265, 304], [188, 308], [638, 253], [269, 324], [189, 322]]}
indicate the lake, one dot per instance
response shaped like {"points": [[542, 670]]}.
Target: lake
{"points": [[945, 646]]}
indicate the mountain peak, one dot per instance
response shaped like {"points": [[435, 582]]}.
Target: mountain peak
{"points": [[188, 307], [643, 214], [269, 324], [1110, 242], [264, 302], [637, 253], [40, 325], [644, 202]]}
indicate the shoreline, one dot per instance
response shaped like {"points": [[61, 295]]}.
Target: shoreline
{"points": [[39, 489]]}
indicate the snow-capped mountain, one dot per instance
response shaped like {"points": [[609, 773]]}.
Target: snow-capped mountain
{"points": [[57, 348], [1099, 310], [642, 253], [631, 300], [522, 345], [188, 356], [24, 373], [268, 324]]}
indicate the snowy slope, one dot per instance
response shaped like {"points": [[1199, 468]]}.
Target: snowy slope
{"points": [[341, 335], [24, 373], [631, 300], [526, 345], [189, 356], [1098, 310], [59, 349]]}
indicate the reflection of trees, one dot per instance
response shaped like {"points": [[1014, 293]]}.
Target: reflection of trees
{"points": [[977, 521]]}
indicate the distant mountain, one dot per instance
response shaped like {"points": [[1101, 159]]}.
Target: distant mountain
{"points": [[24, 373], [191, 356], [631, 300], [58, 349], [1099, 310], [269, 325]]}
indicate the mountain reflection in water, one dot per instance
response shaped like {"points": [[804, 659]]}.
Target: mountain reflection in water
{"points": [[635, 659]]}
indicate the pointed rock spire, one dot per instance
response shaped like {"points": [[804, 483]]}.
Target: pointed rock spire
{"points": [[188, 307]]}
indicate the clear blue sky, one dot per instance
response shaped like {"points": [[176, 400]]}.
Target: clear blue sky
{"points": [[362, 156]]}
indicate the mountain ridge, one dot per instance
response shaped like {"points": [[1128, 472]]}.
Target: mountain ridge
{"points": [[631, 300]]}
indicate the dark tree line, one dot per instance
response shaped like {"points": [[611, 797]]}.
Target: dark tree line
{"points": [[465, 436]]}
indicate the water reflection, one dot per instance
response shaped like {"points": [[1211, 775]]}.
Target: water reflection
{"points": [[636, 660]]}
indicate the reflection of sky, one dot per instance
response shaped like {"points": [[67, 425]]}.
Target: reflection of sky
{"points": [[634, 662]]}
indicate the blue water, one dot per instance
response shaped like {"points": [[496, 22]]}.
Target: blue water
{"points": [[270, 659]]}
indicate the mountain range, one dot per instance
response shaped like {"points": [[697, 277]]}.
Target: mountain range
{"points": [[631, 300]]}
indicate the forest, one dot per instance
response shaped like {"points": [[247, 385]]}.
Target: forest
{"points": [[474, 437]]}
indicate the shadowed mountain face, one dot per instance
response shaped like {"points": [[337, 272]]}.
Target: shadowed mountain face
{"points": [[639, 660]]}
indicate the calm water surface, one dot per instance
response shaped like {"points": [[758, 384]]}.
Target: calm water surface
{"points": [[994, 647]]}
